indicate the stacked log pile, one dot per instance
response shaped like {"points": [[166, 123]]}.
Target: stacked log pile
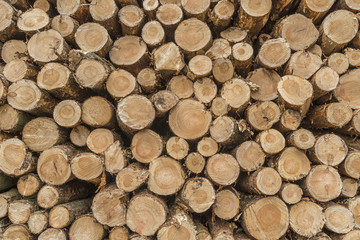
{"points": [[179, 119]]}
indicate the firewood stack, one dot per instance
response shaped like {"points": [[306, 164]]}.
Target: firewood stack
{"points": [[179, 119]]}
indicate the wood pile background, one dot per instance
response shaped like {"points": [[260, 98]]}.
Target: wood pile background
{"points": [[179, 119]]}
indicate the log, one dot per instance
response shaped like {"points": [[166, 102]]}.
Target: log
{"points": [[29, 184], [66, 26], [236, 93], [353, 56], [131, 19], [52, 233], [303, 64], [45, 6], [242, 54], [149, 80], [302, 139], [221, 229], [115, 158], [271, 141], [344, 91], [291, 193], [349, 166], [197, 9], [150, 7], [100, 139], [219, 107], [221, 14], [7, 24], [169, 15], [181, 86], [18, 231], [223, 70], [76, 9], [87, 227], [104, 12], [202, 232], [78, 135], [234, 35], [224, 130], [19, 210], [315, 10], [350, 5], [227, 204], [324, 81], [79, 167], [163, 101], [195, 162], [338, 62], [63, 215], [274, 53], [222, 169], [220, 49], [177, 148], [350, 187], [67, 113], [265, 84], [207, 147], [18, 69], [132, 177], [249, 155], [153, 34], [199, 66], [12, 120], [6, 198], [6, 182], [146, 146], [97, 111], [263, 115], [14, 49], [290, 120], [38, 222], [168, 60], [33, 20], [119, 233], [351, 235]]}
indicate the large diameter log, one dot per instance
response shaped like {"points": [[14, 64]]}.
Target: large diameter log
{"points": [[227, 204], [6, 198], [12, 120], [80, 169], [334, 37], [26, 96], [338, 219], [38, 222], [145, 214], [315, 10], [50, 196], [18, 69], [18, 231], [33, 20], [346, 89], [323, 183], [168, 59], [86, 227], [15, 158], [29, 184], [166, 176], [289, 29], [266, 82], [313, 214], [265, 218], [109, 206], [222, 169], [198, 194], [42, 133], [132, 177], [64, 214]]}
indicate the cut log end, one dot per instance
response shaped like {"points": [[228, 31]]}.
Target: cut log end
{"points": [[67, 113], [291, 193], [146, 146], [223, 169]]}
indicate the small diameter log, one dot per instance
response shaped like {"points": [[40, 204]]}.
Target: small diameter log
{"points": [[119, 233], [58, 80], [199, 66], [134, 113], [78, 135], [164, 101], [196, 8], [14, 49], [150, 7], [178, 225], [86, 227], [19, 210], [334, 37], [195, 162], [145, 214], [132, 177], [312, 212], [67, 113], [18, 231], [104, 12], [265, 218], [189, 110], [351, 235], [53, 166], [350, 5], [292, 164], [169, 15], [6, 183], [302, 139], [46, 6], [109, 206], [219, 107], [220, 49], [12, 120], [263, 84], [198, 194], [302, 100], [80, 167], [223, 70], [29, 184], [315, 10], [221, 15], [354, 56], [25, 95], [131, 19], [350, 187], [236, 93], [192, 40], [242, 54], [153, 34], [262, 115], [227, 204], [224, 130], [291, 193], [42, 133], [148, 80], [289, 121], [115, 158], [207, 147], [222, 169], [344, 91], [288, 28], [6, 198], [271, 141], [52, 233], [76, 9], [252, 16], [332, 115], [93, 38], [168, 60], [146, 146], [33, 20], [63, 215], [234, 35], [49, 196], [249, 155], [202, 232], [315, 49], [329, 149], [38, 222], [303, 64], [129, 53], [166, 176], [100, 139], [353, 205], [19, 69], [349, 166], [15, 158], [7, 24], [323, 183], [324, 81], [338, 62], [66, 26], [181, 86], [274, 53], [96, 111], [265, 180], [221, 229], [47, 46], [177, 148]]}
